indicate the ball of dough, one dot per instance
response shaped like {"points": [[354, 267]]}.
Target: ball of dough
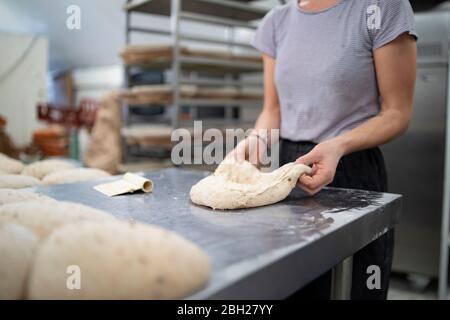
{"points": [[40, 169], [74, 175], [10, 165], [42, 217], [118, 260], [236, 185], [17, 181], [13, 195], [17, 248]]}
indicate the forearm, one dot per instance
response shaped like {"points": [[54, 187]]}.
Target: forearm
{"points": [[377, 131], [268, 119]]}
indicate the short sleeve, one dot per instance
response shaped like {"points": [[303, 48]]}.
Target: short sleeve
{"points": [[388, 19], [264, 38]]}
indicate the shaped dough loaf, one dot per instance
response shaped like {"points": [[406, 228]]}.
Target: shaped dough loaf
{"points": [[42, 168], [17, 181], [236, 185], [118, 260], [17, 247], [10, 165], [13, 195], [74, 175], [42, 217]]}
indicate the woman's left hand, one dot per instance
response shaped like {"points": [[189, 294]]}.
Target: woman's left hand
{"points": [[324, 159]]}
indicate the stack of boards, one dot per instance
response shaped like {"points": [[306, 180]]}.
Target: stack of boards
{"points": [[61, 250], [161, 94], [148, 54], [16, 175]]}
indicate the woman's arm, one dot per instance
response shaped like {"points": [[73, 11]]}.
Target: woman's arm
{"points": [[270, 116], [395, 65], [251, 148]]}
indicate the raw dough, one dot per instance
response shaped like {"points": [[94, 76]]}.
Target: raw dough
{"points": [[42, 217], [17, 181], [42, 168], [74, 175], [237, 185], [12, 196], [17, 247], [10, 165], [118, 260]]}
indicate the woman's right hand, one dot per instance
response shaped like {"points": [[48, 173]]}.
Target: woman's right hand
{"points": [[249, 149]]}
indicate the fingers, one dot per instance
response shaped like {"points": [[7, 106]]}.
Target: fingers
{"points": [[309, 158], [309, 185], [309, 191], [316, 181]]}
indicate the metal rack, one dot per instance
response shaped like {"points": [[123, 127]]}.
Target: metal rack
{"points": [[226, 13]]}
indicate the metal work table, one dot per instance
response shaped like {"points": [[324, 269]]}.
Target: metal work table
{"points": [[261, 253]]}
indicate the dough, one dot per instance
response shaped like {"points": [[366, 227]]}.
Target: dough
{"points": [[17, 181], [42, 168], [118, 260], [237, 185], [42, 217], [74, 175], [10, 165], [12, 196], [17, 248]]}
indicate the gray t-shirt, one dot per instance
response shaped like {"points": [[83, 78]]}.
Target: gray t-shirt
{"points": [[325, 73]]}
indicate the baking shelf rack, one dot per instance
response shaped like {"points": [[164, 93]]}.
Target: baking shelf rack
{"points": [[188, 69]]}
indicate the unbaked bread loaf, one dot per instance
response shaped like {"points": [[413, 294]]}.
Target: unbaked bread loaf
{"points": [[42, 168], [17, 181], [74, 175], [42, 217], [118, 260], [17, 248], [10, 165], [15, 195]]}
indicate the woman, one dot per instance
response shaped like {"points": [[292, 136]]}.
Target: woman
{"points": [[339, 79]]}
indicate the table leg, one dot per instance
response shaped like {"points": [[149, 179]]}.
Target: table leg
{"points": [[341, 281]]}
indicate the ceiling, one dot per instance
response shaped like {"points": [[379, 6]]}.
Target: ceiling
{"points": [[102, 31]]}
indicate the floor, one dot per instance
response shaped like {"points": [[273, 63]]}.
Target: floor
{"points": [[404, 288]]}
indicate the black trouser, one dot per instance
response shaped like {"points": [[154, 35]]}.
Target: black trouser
{"points": [[364, 170]]}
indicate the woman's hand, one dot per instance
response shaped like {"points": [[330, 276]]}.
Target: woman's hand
{"points": [[324, 159], [250, 149]]}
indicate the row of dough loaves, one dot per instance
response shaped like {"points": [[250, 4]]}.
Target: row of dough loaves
{"points": [[15, 175], [42, 239]]}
